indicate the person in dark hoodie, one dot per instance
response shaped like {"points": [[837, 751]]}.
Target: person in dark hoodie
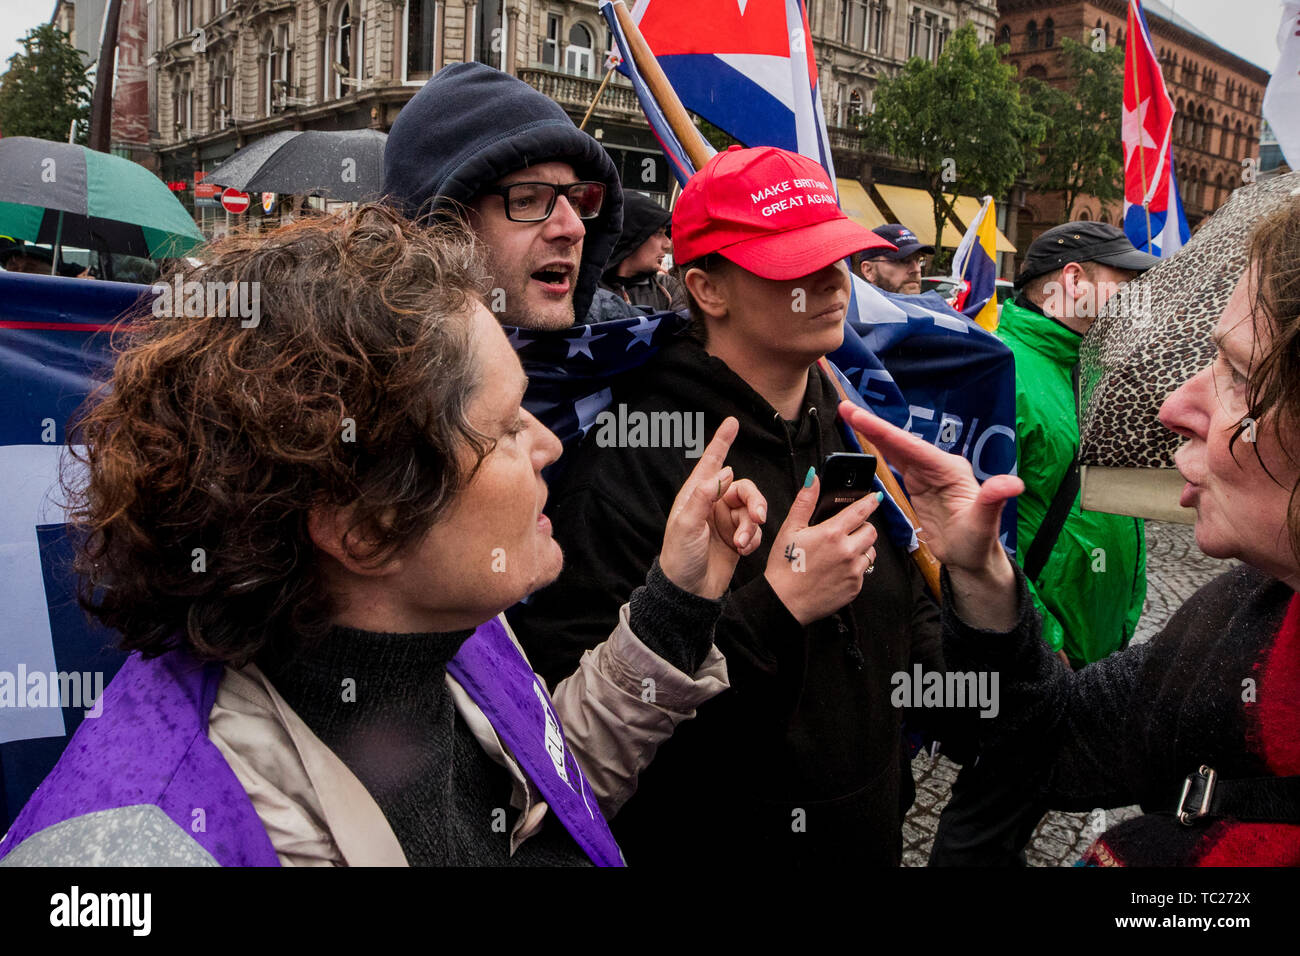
{"points": [[801, 761], [635, 271], [542, 196]]}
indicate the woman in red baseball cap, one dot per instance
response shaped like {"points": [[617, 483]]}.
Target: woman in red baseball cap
{"points": [[801, 761]]}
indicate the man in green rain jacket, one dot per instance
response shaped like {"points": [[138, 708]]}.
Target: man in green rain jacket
{"points": [[1092, 584], [1092, 581]]}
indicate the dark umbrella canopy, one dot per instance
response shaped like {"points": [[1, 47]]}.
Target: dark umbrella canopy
{"points": [[60, 192], [345, 165]]}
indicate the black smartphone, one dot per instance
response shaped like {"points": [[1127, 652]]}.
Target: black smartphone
{"points": [[845, 478]]}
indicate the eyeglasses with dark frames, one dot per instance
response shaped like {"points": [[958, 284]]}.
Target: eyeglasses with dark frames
{"points": [[534, 202]]}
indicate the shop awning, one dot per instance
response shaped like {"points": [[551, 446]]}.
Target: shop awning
{"points": [[857, 205], [913, 208], [967, 208]]}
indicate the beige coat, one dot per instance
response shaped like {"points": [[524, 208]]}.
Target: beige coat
{"points": [[616, 709]]}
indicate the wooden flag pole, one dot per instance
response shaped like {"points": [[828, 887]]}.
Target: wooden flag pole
{"points": [[692, 140], [596, 99], [697, 150], [925, 560]]}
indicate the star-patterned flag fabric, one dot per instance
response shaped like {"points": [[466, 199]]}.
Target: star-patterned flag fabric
{"points": [[1153, 211]]}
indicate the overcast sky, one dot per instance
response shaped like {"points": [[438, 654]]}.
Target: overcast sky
{"points": [[1246, 27]]}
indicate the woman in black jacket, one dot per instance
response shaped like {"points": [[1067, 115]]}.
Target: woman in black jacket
{"points": [[1202, 725], [801, 762]]}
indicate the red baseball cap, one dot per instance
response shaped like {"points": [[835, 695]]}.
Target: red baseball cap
{"points": [[769, 211]]}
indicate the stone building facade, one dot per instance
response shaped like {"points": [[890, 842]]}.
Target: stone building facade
{"points": [[1218, 98], [230, 71]]}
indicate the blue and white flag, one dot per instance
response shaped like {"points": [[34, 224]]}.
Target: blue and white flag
{"points": [[54, 348]]}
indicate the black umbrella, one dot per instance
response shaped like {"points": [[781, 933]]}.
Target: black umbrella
{"points": [[347, 165]]}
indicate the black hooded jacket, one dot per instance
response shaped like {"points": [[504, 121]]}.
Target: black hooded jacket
{"points": [[642, 218], [801, 761], [469, 126]]}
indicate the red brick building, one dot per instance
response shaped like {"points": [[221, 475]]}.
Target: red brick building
{"points": [[1217, 98]]}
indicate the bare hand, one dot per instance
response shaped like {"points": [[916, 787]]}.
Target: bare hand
{"points": [[714, 520], [960, 518], [817, 570]]}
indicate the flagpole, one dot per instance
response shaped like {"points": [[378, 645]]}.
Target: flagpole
{"points": [[698, 152], [692, 140], [596, 99], [1141, 150]]}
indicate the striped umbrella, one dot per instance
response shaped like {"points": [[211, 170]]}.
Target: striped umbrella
{"points": [[64, 194]]}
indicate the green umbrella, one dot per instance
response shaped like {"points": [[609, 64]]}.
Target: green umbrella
{"points": [[64, 194]]}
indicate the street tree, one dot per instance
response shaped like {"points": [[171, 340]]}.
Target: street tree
{"points": [[46, 89], [961, 122], [1083, 125]]}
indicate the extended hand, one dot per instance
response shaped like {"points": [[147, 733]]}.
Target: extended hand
{"points": [[960, 518], [714, 520]]}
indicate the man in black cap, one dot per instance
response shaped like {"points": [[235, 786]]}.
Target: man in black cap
{"points": [[1086, 570], [897, 270]]}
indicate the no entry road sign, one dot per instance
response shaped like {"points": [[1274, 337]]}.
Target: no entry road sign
{"points": [[232, 200]]}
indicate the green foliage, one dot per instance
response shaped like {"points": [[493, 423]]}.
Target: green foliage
{"points": [[1083, 125], [961, 122], [719, 139], [45, 89]]}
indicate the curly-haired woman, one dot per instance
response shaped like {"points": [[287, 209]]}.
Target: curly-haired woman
{"points": [[306, 523], [1201, 726]]}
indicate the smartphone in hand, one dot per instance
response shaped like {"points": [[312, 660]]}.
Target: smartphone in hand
{"points": [[846, 477]]}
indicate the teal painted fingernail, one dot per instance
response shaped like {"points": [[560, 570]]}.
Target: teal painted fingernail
{"points": [[880, 496], [808, 478]]}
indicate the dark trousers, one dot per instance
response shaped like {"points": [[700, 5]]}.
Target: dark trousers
{"points": [[989, 820]]}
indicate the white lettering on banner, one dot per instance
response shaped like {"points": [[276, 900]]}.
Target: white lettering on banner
{"points": [[977, 456], [554, 741]]}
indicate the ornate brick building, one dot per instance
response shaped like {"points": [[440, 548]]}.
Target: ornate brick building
{"points": [[1217, 98]]}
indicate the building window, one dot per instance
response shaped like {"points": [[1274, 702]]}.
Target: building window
{"points": [[421, 38], [1049, 33], [855, 107], [853, 24], [343, 49], [879, 12], [219, 91], [270, 72], [1031, 35], [577, 55], [183, 107], [550, 54], [491, 29], [930, 37], [1004, 35]]}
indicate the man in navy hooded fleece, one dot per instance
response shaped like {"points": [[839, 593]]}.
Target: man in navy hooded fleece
{"points": [[473, 131]]}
